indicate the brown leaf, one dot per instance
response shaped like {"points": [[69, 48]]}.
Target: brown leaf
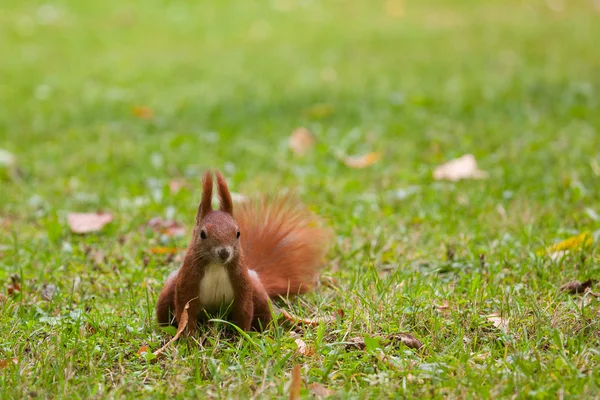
{"points": [[5, 363], [143, 349], [356, 342], [296, 383], [88, 222], [464, 167], [307, 321], [362, 161], [409, 340], [498, 322], [182, 325], [142, 112], [575, 287], [48, 291], [406, 339], [444, 307], [319, 390], [164, 227], [301, 141]]}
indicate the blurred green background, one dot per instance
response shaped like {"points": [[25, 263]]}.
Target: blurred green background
{"points": [[104, 103]]}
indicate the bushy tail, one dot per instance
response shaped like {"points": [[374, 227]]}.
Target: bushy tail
{"points": [[283, 242]]}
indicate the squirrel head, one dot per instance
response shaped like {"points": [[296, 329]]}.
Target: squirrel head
{"points": [[216, 234]]}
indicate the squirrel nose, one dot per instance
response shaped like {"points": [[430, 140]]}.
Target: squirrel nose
{"points": [[224, 254]]}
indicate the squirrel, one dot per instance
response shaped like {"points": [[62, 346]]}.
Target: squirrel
{"points": [[241, 260]]}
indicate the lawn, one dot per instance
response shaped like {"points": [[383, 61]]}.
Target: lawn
{"points": [[120, 107]]}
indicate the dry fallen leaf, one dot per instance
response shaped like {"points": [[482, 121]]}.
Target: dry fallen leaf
{"points": [[303, 348], [307, 321], [319, 390], [498, 322], [301, 141], [164, 227], [575, 287], [5, 363], [591, 293], [48, 291], [407, 340], [444, 307], [296, 383], [357, 343], [464, 167], [180, 328], [362, 161], [575, 242], [142, 112], [88, 222]]}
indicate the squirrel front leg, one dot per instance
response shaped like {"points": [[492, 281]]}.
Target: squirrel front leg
{"points": [[262, 306], [243, 310], [186, 291], [243, 307]]}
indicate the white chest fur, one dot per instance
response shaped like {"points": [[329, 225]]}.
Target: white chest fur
{"points": [[215, 287]]}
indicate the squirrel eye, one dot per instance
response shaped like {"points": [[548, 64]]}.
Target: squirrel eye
{"points": [[238, 234], [203, 234]]}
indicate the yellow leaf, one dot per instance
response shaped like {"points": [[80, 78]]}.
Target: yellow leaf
{"points": [[574, 242], [363, 161]]}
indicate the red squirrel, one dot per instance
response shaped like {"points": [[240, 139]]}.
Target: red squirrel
{"points": [[240, 260]]}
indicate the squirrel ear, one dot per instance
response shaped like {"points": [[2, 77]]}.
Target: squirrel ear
{"points": [[206, 203], [224, 195]]}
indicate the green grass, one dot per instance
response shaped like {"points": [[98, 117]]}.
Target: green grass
{"points": [[514, 83]]}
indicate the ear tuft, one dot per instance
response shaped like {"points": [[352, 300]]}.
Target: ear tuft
{"points": [[224, 195], [206, 204]]}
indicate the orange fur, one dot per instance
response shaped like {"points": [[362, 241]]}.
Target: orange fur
{"points": [[283, 242]]}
